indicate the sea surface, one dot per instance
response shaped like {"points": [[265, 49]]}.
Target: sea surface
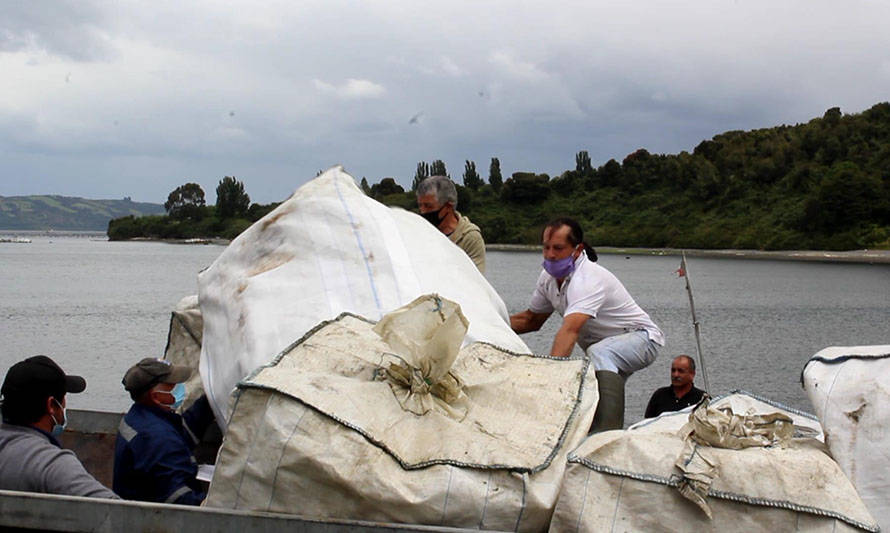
{"points": [[97, 307]]}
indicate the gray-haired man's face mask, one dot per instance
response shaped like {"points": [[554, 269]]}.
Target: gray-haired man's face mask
{"points": [[433, 216]]}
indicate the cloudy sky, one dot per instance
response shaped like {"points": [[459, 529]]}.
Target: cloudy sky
{"points": [[114, 99]]}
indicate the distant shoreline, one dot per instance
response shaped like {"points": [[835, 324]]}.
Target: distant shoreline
{"points": [[195, 240], [852, 256], [821, 256]]}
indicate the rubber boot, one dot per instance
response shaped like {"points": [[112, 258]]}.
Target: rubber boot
{"points": [[610, 409]]}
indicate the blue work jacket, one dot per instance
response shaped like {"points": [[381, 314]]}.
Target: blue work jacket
{"points": [[153, 458]]}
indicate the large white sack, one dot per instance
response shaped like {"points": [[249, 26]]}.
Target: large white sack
{"points": [[628, 481], [329, 249], [742, 402], [849, 387], [184, 344], [317, 433]]}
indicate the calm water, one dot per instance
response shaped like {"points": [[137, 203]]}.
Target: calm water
{"points": [[98, 306]]}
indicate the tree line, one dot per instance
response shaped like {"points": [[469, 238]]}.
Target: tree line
{"points": [[824, 184], [189, 216]]}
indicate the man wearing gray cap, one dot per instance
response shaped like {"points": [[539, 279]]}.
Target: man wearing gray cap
{"points": [[31, 459], [153, 458]]}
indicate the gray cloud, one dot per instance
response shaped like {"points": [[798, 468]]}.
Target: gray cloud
{"points": [[109, 100], [67, 29]]}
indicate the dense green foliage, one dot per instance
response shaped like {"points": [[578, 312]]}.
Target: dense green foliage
{"points": [[437, 168], [231, 200], [494, 175], [206, 223], [185, 202], [422, 173], [386, 187], [820, 185], [472, 179], [188, 216], [44, 212], [583, 165]]}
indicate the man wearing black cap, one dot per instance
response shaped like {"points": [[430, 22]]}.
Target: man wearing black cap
{"points": [[153, 458], [31, 458]]}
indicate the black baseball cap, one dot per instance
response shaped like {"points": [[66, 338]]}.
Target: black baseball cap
{"points": [[40, 376], [151, 371]]}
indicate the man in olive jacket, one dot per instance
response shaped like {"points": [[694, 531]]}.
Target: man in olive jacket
{"points": [[437, 202]]}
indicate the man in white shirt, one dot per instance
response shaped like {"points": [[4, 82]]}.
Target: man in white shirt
{"points": [[598, 314]]}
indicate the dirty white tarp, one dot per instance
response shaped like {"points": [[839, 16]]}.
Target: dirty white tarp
{"points": [[629, 481], [184, 344], [322, 432], [849, 387], [329, 249]]}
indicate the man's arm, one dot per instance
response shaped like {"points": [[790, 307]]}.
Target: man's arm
{"points": [[65, 474], [167, 460], [527, 321], [565, 338], [197, 418]]}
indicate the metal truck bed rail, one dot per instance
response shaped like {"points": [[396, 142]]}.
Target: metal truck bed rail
{"points": [[51, 512]]}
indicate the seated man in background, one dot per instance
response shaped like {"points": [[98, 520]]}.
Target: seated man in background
{"points": [[437, 202], [681, 392], [153, 458], [31, 459]]}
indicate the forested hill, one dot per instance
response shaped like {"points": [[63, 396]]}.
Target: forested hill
{"points": [[67, 213], [824, 185]]}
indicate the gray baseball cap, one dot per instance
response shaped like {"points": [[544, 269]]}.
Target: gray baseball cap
{"points": [[150, 371]]}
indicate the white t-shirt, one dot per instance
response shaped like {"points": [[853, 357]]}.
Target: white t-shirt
{"points": [[596, 292]]}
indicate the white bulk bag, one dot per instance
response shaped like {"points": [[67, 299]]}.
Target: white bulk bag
{"points": [[322, 432], [329, 249], [849, 387], [631, 480], [184, 344], [742, 402]]}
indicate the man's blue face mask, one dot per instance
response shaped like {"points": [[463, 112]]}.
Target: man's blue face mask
{"points": [[178, 393], [58, 428]]}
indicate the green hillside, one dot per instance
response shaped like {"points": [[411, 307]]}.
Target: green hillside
{"points": [[67, 213], [820, 185]]}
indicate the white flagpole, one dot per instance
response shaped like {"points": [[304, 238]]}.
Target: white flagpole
{"points": [[696, 326]]}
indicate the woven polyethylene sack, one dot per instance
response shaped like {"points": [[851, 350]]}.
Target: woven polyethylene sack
{"points": [[849, 388], [184, 344], [743, 402], [322, 432], [326, 250], [655, 479]]}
